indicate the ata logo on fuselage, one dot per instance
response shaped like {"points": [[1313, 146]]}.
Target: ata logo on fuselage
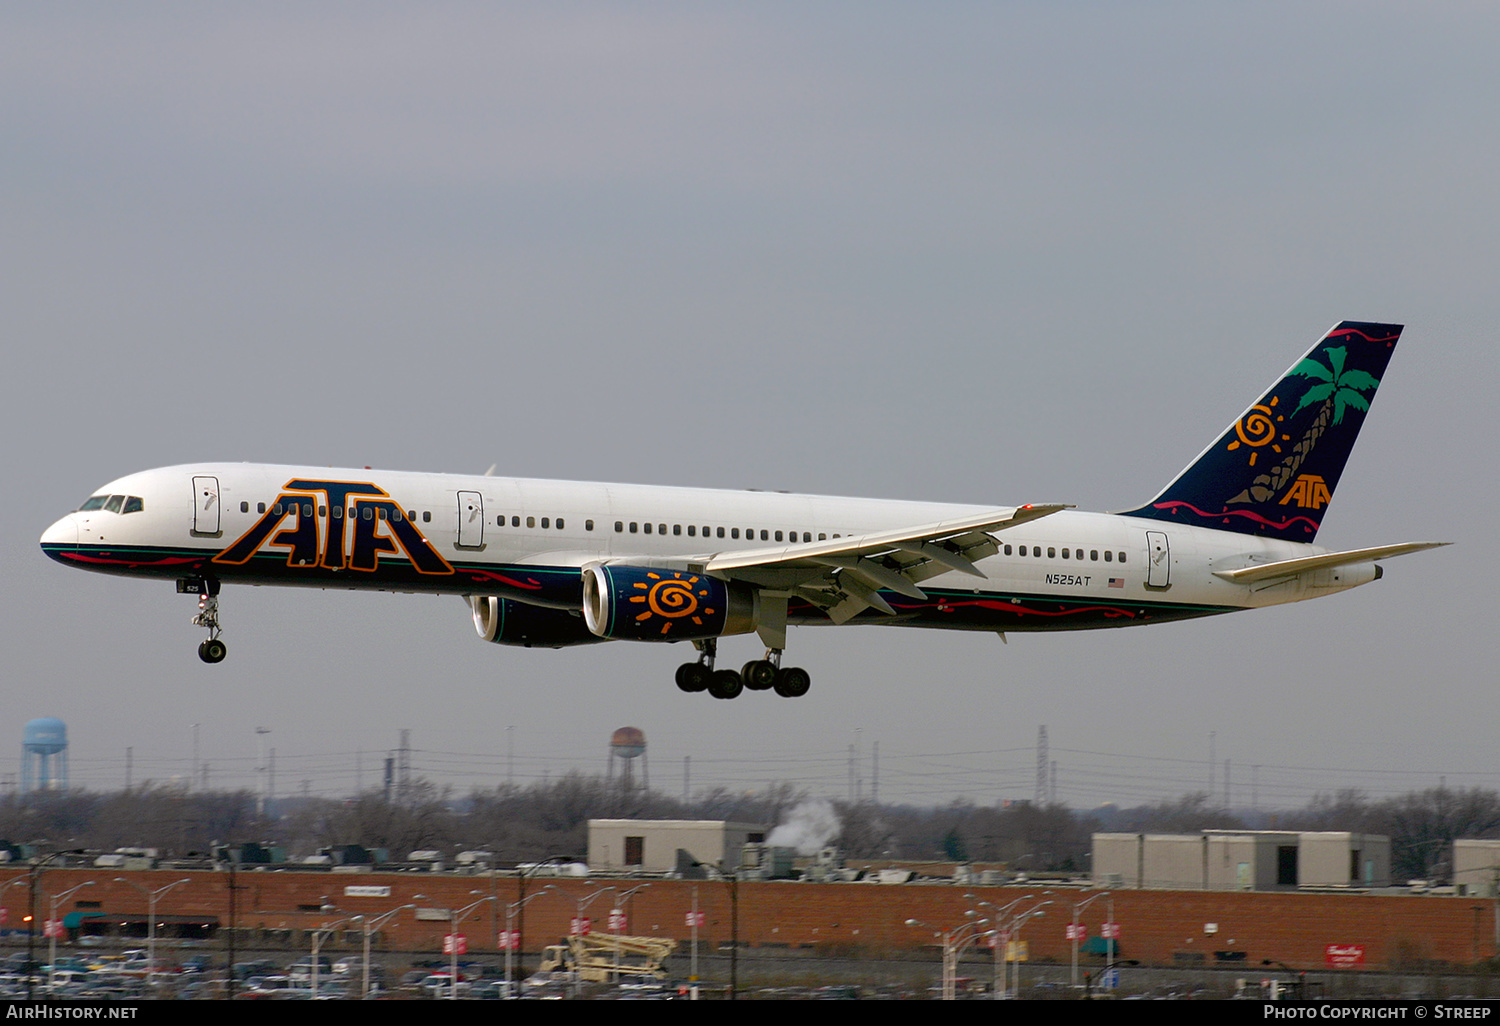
{"points": [[1309, 491], [361, 524]]}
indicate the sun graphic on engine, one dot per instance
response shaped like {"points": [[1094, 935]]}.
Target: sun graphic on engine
{"points": [[671, 598]]}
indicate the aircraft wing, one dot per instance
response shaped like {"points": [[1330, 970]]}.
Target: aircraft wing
{"points": [[843, 576], [1291, 567]]}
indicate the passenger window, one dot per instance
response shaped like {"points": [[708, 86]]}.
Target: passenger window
{"points": [[1051, 552], [244, 507], [661, 528], [1065, 553], [515, 521], [276, 509], [721, 532], [734, 532], [778, 535], [1122, 557], [545, 521], [822, 536], [763, 534], [1094, 555], [395, 514], [1109, 556], [619, 526], [559, 523], [634, 527], [338, 511], [676, 529], [499, 521], [1007, 550], [588, 525], [648, 528], [323, 512], [692, 530], [411, 514], [427, 516]]}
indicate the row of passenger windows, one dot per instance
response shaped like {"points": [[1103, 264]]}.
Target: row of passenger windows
{"points": [[132, 504], [692, 530], [1053, 552], [369, 513], [546, 522]]}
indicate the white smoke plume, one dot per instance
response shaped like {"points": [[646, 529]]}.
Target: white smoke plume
{"points": [[808, 827]]}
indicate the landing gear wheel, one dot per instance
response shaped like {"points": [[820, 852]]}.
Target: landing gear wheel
{"points": [[792, 682], [213, 651], [725, 684], [759, 674], [692, 677]]}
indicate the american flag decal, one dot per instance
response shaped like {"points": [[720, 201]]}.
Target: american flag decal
{"points": [[1117, 582]]}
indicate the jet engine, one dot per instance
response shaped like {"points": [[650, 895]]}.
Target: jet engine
{"points": [[637, 603], [508, 622]]}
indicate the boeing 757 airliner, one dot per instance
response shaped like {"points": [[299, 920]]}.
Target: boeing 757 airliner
{"points": [[558, 563]]}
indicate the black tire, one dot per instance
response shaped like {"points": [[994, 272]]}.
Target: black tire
{"points": [[692, 677], [793, 682], [725, 684], [213, 651], [759, 675]]}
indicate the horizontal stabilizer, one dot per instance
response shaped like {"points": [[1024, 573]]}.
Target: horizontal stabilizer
{"points": [[1292, 567]]}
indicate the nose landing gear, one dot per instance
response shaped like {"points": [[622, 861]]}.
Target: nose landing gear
{"points": [[212, 650]]}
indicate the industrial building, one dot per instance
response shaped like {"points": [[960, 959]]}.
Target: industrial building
{"points": [[1242, 860]]}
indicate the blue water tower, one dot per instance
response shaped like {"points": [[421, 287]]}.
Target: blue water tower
{"points": [[44, 756]]}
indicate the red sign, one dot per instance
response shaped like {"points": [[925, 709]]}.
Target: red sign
{"points": [[581, 926], [4, 916], [53, 928], [693, 919], [1109, 930], [509, 940], [455, 944], [1075, 931], [616, 920], [1338, 956]]}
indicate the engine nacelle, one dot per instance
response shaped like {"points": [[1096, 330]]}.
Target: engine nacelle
{"points": [[638, 603], [508, 622]]}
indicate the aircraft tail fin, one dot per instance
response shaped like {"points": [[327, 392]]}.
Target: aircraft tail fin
{"points": [[1273, 471]]}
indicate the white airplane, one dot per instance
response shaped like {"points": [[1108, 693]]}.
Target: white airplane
{"points": [[558, 563]]}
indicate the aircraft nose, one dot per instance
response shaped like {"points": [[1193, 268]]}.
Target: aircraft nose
{"points": [[64, 532]]}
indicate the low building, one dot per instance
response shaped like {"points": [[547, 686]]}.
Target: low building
{"points": [[1242, 860], [651, 845], [1476, 868]]}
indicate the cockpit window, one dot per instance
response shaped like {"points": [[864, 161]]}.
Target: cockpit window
{"points": [[114, 504]]}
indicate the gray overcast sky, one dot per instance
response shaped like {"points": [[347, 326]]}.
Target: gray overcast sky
{"points": [[989, 253]]}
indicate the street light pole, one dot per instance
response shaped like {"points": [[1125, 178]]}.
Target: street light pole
{"points": [[56, 900], [151, 899], [513, 938], [369, 926]]}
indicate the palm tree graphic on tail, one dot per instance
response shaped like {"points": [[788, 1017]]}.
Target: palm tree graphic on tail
{"points": [[1338, 390]]}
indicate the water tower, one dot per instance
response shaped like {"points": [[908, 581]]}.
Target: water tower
{"points": [[44, 756], [626, 745]]}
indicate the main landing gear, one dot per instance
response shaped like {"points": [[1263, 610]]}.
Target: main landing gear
{"points": [[212, 650], [757, 675]]}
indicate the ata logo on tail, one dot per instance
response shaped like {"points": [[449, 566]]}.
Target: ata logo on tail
{"points": [[1308, 492]]}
